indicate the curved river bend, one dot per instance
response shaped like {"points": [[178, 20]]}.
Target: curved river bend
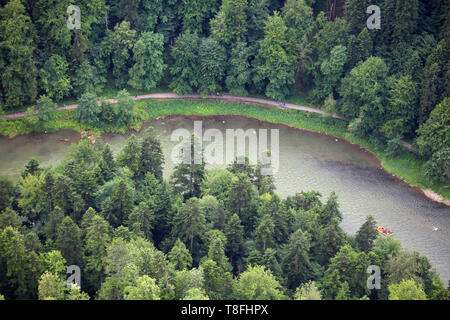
{"points": [[307, 161]]}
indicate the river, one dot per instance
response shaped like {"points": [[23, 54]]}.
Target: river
{"points": [[307, 161]]}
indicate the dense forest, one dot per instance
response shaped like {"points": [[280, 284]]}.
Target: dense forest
{"points": [[218, 234], [223, 233]]}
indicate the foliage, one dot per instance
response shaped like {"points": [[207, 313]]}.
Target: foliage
{"points": [[17, 62], [54, 78], [149, 64], [51, 287], [257, 283], [363, 93], [307, 291], [239, 73], [44, 106], [179, 256], [88, 109], [185, 54], [211, 66], [274, 66], [366, 235], [406, 290], [144, 289], [434, 135]]}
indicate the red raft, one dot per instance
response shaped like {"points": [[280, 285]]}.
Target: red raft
{"points": [[384, 231]]}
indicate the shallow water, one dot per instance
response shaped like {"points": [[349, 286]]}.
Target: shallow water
{"points": [[308, 161]]}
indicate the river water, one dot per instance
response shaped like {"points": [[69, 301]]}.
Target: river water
{"points": [[307, 161]]}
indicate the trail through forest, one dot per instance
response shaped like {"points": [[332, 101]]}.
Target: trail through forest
{"points": [[225, 97]]}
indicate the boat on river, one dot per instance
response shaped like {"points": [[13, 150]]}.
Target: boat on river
{"points": [[384, 231]]}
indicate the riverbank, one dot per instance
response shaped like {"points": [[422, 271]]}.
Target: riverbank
{"points": [[406, 166]]}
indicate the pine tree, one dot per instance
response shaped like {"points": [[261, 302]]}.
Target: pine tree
{"points": [[55, 219], [179, 256], [96, 241], [406, 18], [242, 165], [129, 156], [367, 234], [17, 266], [234, 232], [151, 156], [264, 183], [141, 219], [106, 164], [68, 241], [296, 261], [264, 232], [242, 200], [6, 193], [160, 195], [189, 225], [87, 78], [32, 167], [216, 249], [188, 175], [403, 111], [355, 14], [122, 203], [330, 210]]}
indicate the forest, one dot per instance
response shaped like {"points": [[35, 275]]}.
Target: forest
{"points": [[199, 235], [220, 233], [391, 82]]}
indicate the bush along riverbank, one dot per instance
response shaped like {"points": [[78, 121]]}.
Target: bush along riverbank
{"points": [[399, 162]]}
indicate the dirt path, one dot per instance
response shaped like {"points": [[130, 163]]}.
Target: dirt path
{"points": [[225, 97]]}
